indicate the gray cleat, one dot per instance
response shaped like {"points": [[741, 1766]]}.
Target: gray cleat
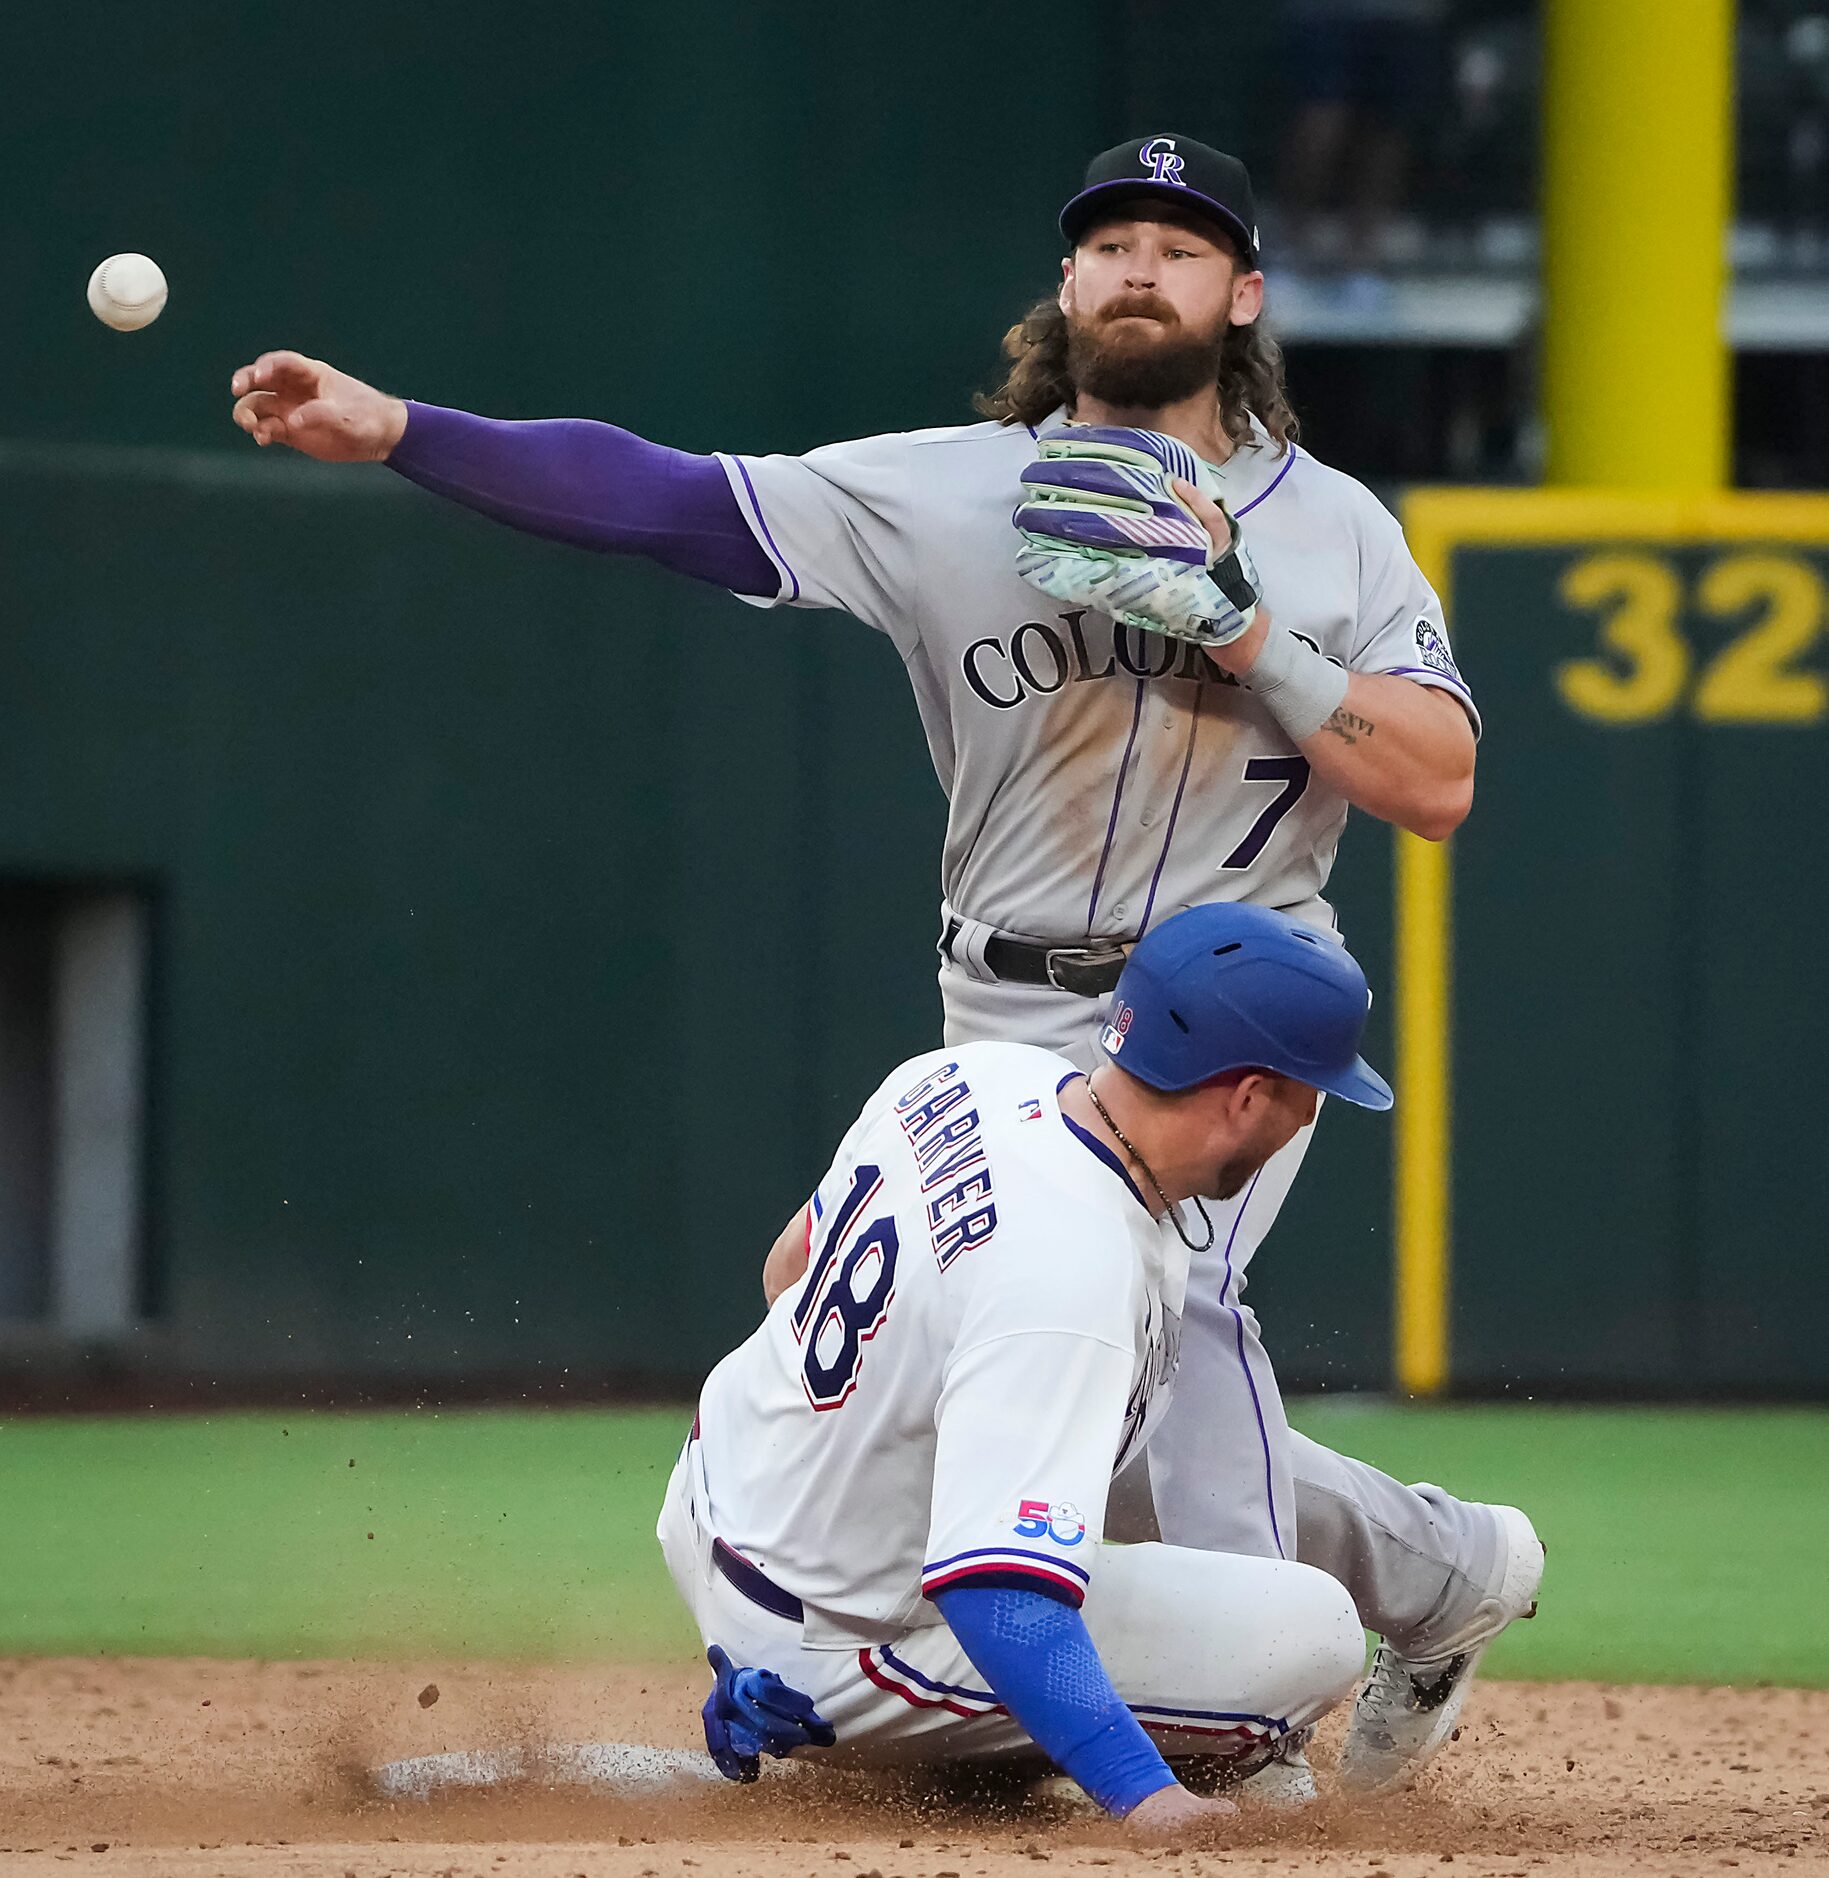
{"points": [[1409, 1708]]}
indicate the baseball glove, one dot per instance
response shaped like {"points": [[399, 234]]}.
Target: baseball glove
{"points": [[1102, 529]]}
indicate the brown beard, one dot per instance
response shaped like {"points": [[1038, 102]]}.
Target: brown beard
{"points": [[1135, 370]]}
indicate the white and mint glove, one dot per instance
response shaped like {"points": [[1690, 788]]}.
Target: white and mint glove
{"points": [[1102, 529]]}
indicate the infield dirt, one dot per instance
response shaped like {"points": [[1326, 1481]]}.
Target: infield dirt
{"points": [[255, 1770]]}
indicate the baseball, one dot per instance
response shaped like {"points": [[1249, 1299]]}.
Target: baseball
{"points": [[127, 292]]}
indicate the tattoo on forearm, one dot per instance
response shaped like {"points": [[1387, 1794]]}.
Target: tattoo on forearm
{"points": [[1348, 727]]}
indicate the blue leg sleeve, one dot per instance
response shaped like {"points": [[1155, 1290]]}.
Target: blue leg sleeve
{"points": [[1040, 1663]]}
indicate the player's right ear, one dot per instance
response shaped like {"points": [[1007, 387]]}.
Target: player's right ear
{"points": [[1250, 1093], [1247, 299]]}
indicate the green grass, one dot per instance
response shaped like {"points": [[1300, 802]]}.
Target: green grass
{"points": [[494, 1533], [1685, 1546]]}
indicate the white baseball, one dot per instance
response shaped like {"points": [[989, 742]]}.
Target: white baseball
{"points": [[127, 292]]}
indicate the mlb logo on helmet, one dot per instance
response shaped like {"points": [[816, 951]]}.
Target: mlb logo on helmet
{"points": [[1113, 1035]]}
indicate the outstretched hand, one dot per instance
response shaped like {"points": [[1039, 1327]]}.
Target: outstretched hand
{"points": [[284, 397], [1172, 1816]]}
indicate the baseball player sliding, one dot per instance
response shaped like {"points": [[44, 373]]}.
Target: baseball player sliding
{"points": [[1162, 688], [892, 1504]]}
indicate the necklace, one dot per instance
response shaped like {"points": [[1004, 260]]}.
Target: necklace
{"points": [[1174, 1212]]}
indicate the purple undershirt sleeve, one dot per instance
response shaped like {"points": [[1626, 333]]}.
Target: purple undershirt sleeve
{"points": [[592, 485]]}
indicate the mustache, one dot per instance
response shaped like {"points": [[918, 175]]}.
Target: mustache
{"points": [[1139, 306]]}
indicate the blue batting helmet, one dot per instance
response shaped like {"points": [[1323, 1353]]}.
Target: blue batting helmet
{"points": [[1242, 987]]}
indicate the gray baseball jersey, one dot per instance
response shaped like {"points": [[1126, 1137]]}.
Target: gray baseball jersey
{"points": [[1099, 778]]}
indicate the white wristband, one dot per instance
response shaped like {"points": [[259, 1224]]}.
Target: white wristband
{"points": [[1295, 684]]}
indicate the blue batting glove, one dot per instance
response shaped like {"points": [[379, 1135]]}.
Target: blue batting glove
{"points": [[752, 1712]]}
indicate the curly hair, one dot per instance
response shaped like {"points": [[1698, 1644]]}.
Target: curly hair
{"points": [[1250, 377]]}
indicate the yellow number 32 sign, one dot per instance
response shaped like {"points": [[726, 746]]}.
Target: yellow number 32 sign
{"points": [[1647, 668]]}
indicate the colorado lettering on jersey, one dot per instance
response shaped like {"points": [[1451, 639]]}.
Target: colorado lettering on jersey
{"points": [[1038, 660], [943, 1128]]}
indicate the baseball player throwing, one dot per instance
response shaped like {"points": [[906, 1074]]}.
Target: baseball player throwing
{"points": [[892, 1504], [1162, 688]]}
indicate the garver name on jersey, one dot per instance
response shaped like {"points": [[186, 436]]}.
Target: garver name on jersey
{"points": [[942, 1125], [1039, 659]]}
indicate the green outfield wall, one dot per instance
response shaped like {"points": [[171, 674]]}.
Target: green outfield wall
{"points": [[523, 925], [1634, 919], [526, 925]]}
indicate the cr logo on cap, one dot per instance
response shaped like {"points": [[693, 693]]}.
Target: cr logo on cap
{"points": [[1165, 165]]}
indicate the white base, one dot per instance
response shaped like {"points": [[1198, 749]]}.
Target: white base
{"points": [[614, 1767]]}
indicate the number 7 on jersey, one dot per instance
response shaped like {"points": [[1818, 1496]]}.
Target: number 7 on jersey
{"points": [[1292, 773]]}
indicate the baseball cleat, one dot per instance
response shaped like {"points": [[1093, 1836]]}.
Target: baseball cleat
{"points": [[1408, 1707], [1271, 1773], [1285, 1781]]}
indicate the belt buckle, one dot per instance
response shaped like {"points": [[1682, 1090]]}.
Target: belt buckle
{"points": [[1063, 965]]}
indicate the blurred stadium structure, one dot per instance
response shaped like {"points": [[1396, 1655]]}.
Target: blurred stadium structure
{"points": [[1419, 161], [428, 957], [1397, 146]]}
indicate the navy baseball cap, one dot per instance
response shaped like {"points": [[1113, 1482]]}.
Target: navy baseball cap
{"points": [[1191, 175], [1242, 987]]}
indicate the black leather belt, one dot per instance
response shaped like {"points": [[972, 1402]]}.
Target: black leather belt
{"points": [[1087, 971], [755, 1584]]}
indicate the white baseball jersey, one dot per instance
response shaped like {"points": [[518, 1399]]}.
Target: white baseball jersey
{"points": [[1099, 778], [985, 1330]]}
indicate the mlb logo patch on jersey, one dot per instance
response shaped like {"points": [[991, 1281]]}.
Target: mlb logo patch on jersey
{"points": [[1432, 648], [1059, 1521], [1029, 1111]]}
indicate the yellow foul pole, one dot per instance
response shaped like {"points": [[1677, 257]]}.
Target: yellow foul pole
{"points": [[1637, 169]]}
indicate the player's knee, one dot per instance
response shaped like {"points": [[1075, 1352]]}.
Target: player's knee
{"points": [[1327, 1636]]}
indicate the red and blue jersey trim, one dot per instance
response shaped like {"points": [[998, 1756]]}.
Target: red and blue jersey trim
{"points": [[888, 1671], [899, 1677], [1008, 1565]]}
